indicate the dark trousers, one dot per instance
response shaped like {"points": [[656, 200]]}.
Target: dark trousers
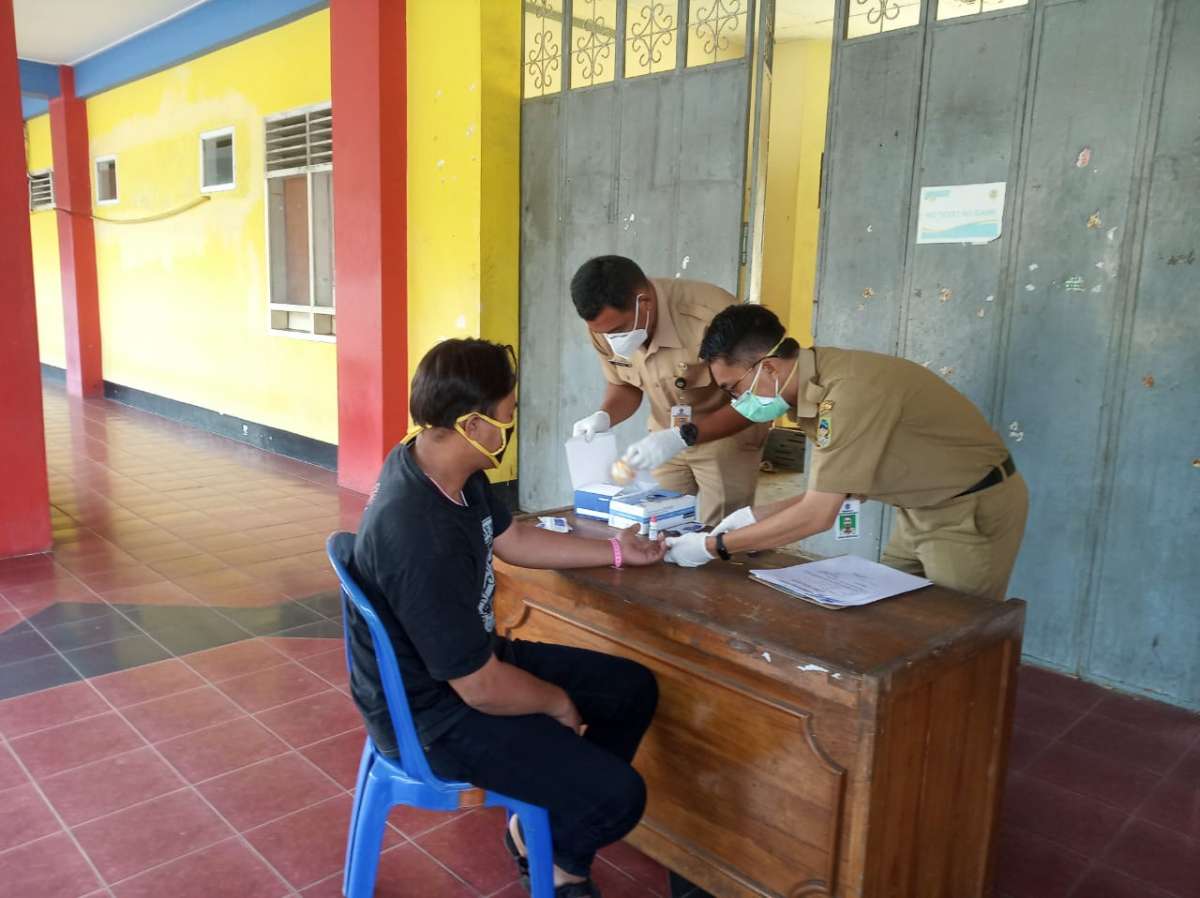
{"points": [[593, 795]]}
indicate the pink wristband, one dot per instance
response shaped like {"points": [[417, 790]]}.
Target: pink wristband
{"points": [[616, 547]]}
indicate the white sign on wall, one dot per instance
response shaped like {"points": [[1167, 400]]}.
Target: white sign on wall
{"points": [[961, 213]]}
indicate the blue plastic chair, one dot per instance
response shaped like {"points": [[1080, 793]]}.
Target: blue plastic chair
{"points": [[384, 783]]}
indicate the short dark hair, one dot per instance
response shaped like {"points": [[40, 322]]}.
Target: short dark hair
{"points": [[610, 281], [744, 334], [460, 376]]}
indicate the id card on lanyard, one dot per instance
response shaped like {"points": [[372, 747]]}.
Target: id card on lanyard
{"points": [[847, 519]]}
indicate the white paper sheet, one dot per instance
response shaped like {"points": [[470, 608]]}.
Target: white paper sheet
{"points": [[843, 582], [591, 462]]}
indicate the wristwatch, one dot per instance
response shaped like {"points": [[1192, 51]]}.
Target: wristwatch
{"points": [[722, 552], [690, 433]]}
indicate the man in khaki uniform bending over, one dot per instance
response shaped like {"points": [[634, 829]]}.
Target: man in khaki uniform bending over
{"points": [[882, 428], [647, 332]]}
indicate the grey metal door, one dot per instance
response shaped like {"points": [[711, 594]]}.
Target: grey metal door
{"points": [[651, 166], [1076, 331]]}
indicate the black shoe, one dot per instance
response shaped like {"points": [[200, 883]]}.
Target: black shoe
{"points": [[522, 861]]}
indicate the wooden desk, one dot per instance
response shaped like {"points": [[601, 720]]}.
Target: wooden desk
{"points": [[799, 751]]}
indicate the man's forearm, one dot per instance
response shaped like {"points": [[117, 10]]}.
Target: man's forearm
{"points": [[620, 402], [719, 424], [506, 690], [528, 546], [762, 512], [814, 513]]}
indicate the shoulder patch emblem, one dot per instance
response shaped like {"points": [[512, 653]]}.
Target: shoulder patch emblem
{"points": [[824, 430]]}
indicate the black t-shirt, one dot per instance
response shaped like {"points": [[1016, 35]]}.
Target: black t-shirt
{"points": [[425, 563]]}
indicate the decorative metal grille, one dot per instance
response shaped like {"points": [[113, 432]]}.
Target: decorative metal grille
{"points": [[955, 9], [650, 34], [866, 17], [593, 42], [542, 51], [717, 30]]}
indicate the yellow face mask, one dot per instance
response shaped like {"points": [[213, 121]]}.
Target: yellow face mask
{"points": [[505, 428]]}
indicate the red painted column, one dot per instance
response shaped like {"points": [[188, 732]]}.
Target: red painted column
{"points": [[24, 493], [370, 132], [76, 238]]}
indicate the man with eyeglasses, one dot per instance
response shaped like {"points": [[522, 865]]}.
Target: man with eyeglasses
{"points": [[882, 428], [647, 333]]}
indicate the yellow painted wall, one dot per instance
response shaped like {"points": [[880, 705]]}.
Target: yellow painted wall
{"points": [[463, 176], [183, 302], [43, 228], [797, 138]]}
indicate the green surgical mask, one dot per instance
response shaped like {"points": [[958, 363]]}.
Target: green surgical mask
{"points": [[763, 409]]}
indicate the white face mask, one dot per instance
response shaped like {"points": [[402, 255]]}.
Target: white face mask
{"points": [[625, 344]]}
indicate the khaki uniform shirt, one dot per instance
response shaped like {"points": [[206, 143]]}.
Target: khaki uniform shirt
{"points": [[888, 429], [685, 309]]}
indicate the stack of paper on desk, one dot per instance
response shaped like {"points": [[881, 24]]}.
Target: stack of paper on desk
{"points": [[843, 582]]}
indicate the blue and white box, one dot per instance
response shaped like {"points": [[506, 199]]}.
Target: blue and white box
{"points": [[652, 510], [592, 500]]}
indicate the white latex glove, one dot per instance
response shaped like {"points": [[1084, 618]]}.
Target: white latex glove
{"points": [[735, 520], [656, 449], [688, 550], [593, 424]]}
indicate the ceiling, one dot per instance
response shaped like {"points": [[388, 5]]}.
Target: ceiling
{"points": [[803, 20], [65, 32]]}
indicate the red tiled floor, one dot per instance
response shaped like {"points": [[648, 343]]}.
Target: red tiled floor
{"points": [[103, 787], [615, 883], [219, 749], [138, 838], [1093, 775], [266, 791], [312, 719], [143, 684], [472, 845], [190, 566], [301, 648], [310, 845], [228, 869], [1082, 824], [121, 578], [1028, 866], [330, 666], [11, 773], [339, 757], [48, 868], [25, 817], [166, 718], [63, 747], [235, 660], [650, 873], [1104, 882], [1157, 855], [1134, 746], [157, 593], [1175, 803], [274, 686], [51, 707]]}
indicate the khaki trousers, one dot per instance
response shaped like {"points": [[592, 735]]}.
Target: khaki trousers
{"points": [[723, 474], [968, 544]]}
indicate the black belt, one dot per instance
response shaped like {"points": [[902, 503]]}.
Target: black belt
{"points": [[994, 476]]}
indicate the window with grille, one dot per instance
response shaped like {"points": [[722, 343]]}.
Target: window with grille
{"points": [[41, 190], [299, 168]]}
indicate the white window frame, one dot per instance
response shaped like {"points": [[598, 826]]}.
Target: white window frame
{"points": [[210, 135], [116, 180], [308, 171], [53, 201]]}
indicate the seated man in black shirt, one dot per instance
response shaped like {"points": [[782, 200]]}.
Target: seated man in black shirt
{"points": [[547, 724]]}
